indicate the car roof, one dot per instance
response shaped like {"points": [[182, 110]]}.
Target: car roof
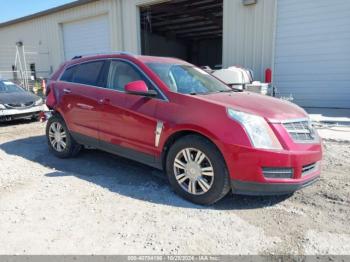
{"points": [[159, 59], [141, 58]]}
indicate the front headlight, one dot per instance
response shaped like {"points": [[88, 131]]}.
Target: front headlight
{"points": [[258, 130], [39, 102], [2, 107]]}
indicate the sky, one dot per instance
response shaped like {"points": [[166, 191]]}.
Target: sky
{"points": [[12, 9]]}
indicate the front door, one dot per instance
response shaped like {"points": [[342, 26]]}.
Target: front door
{"points": [[128, 121]]}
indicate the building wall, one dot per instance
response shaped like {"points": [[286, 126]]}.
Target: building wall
{"points": [[43, 35], [249, 35], [130, 23], [312, 55], [248, 32]]}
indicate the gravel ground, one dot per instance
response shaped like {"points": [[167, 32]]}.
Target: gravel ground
{"points": [[102, 204]]}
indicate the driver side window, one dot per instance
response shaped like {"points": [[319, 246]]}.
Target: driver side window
{"points": [[120, 74]]}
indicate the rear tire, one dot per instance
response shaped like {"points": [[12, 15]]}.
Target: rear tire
{"points": [[60, 141], [197, 170]]}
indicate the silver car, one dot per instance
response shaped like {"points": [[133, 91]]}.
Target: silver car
{"points": [[16, 103]]}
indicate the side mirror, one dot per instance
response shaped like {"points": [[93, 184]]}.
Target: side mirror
{"points": [[139, 88]]}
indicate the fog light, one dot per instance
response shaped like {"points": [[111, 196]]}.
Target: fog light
{"points": [[308, 169]]}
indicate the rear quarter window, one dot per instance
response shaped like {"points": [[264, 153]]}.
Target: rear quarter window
{"points": [[68, 74]]}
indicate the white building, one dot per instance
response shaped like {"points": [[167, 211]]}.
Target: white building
{"points": [[306, 43]]}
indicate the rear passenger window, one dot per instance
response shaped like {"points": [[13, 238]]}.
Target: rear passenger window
{"points": [[88, 73]]}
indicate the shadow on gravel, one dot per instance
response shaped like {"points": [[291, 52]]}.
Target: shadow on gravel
{"points": [[121, 175]]}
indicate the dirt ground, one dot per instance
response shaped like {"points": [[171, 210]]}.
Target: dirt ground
{"points": [[102, 204]]}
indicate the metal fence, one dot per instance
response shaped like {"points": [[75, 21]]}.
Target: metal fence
{"points": [[25, 65], [27, 80]]}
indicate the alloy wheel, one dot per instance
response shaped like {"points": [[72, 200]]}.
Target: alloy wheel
{"points": [[58, 137], [193, 171]]}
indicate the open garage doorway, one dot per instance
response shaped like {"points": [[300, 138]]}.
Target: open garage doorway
{"points": [[186, 29]]}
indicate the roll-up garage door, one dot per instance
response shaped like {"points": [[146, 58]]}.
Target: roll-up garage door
{"points": [[87, 36], [312, 52]]}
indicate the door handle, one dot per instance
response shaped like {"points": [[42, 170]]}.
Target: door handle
{"points": [[104, 101], [67, 91]]}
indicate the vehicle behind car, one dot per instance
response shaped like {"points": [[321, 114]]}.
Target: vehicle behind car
{"points": [[17, 103]]}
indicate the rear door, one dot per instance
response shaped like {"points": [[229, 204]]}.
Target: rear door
{"points": [[81, 89]]}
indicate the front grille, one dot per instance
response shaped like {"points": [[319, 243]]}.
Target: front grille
{"points": [[308, 169], [276, 172], [300, 131], [19, 105]]}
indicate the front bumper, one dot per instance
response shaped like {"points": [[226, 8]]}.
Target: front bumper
{"points": [[258, 189], [246, 168], [12, 114]]}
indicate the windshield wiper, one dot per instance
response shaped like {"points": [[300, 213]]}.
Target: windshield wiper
{"points": [[231, 90]]}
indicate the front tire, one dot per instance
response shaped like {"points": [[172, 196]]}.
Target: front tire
{"points": [[60, 141], [197, 170]]}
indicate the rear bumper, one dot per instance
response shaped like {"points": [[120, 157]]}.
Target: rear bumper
{"points": [[258, 189]]}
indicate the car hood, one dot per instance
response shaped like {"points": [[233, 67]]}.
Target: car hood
{"points": [[17, 98], [270, 108]]}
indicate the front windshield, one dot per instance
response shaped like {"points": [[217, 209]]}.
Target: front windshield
{"points": [[186, 79], [9, 87]]}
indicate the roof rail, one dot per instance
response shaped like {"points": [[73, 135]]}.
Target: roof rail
{"points": [[105, 53]]}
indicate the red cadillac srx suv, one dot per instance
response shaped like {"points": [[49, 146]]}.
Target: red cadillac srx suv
{"points": [[171, 115]]}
